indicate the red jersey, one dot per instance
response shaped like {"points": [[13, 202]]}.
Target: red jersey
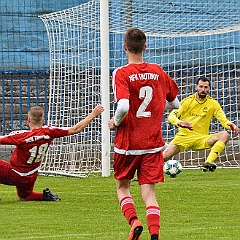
{"points": [[31, 146], [147, 87]]}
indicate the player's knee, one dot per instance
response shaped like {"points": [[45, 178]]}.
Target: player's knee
{"points": [[225, 136], [167, 154], [170, 151]]}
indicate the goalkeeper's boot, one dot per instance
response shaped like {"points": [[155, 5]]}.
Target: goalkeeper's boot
{"points": [[212, 167], [50, 196], [136, 230], [208, 167]]}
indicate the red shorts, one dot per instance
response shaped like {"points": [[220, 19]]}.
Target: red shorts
{"points": [[149, 167], [24, 184]]}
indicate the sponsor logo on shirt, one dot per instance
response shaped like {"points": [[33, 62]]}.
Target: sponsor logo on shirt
{"points": [[37, 138], [143, 76], [197, 115]]}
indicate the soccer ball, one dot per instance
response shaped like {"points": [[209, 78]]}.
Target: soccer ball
{"points": [[172, 168]]}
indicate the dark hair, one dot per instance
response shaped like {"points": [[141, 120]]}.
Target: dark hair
{"points": [[135, 39], [204, 79]]}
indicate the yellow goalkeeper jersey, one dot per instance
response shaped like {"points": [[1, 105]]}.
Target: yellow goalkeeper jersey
{"points": [[199, 114]]}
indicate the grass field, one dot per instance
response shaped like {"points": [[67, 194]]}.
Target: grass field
{"points": [[194, 205]]}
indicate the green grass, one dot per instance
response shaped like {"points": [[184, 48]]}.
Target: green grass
{"points": [[194, 205]]}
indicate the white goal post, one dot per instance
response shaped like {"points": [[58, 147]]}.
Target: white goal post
{"points": [[187, 38]]}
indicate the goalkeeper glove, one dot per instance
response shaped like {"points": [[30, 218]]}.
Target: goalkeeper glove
{"points": [[234, 128], [185, 125]]}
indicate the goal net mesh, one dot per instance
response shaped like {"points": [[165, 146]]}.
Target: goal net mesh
{"points": [[187, 38]]}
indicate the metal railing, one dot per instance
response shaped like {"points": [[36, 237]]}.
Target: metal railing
{"points": [[21, 89]]}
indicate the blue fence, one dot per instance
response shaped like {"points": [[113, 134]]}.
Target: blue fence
{"points": [[21, 89]]}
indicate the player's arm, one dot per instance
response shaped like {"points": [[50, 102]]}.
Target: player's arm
{"points": [[172, 90], [121, 112], [13, 138], [83, 124], [174, 119], [220, 115], [172, 105]]}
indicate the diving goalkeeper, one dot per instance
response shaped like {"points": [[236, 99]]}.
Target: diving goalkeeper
{"points": [[193, 119]]}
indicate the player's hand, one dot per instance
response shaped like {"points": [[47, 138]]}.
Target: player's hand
{"points": [[97, 110], [185, 125], [234, 128], [111, 124]]}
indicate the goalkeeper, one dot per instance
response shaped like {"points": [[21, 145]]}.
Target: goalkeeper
{"points": [[193, 119]]}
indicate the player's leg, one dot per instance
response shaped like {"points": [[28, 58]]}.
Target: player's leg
{"points": [[128, 208], [125, 200], [25, 193], [25, 186], [45, 195], [222, 136], [178, 144], [4, 172], [217, 142], [152, 210], [124, 170], [149, 173], [170, 151], [4, 176]]}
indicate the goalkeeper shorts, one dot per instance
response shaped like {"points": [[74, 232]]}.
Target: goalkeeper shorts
{"points": [[193, 141]]}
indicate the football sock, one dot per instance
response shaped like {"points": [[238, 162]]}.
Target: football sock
{"points": [[34, 196], [215, 151], [128, 209], [153, 220]]}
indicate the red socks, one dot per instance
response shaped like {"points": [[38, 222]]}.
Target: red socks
{"points": [[128, 209], [153, 215], [34, 196], [153, 219]]}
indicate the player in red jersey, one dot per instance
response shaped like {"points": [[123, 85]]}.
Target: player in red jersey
{"points": [[31, 146], [141, 90]]}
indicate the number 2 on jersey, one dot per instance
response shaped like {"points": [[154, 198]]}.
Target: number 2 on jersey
{"points": [[146, 93], [37, 153]]}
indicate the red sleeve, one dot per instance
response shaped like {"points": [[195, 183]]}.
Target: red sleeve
{"points": [[172, 88], [120, 84], [14, 138], [57, 132]]}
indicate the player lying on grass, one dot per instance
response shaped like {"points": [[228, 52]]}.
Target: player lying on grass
{"points": [[31, 146], [193, 119]]}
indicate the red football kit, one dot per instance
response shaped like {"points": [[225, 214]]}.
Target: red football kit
{"points": [[147, 87], [31, 146]]}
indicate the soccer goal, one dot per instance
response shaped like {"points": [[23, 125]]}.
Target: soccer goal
{"points": [[187, 38]]}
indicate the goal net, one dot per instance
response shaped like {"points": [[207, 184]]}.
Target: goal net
{"points": [[187, 38]]}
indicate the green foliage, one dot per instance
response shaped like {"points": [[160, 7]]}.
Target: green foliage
{"points": [[194, 205]]}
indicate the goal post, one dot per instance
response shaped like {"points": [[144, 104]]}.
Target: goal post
{"points": [[187, 38], [76, 87], [105, 74]]}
